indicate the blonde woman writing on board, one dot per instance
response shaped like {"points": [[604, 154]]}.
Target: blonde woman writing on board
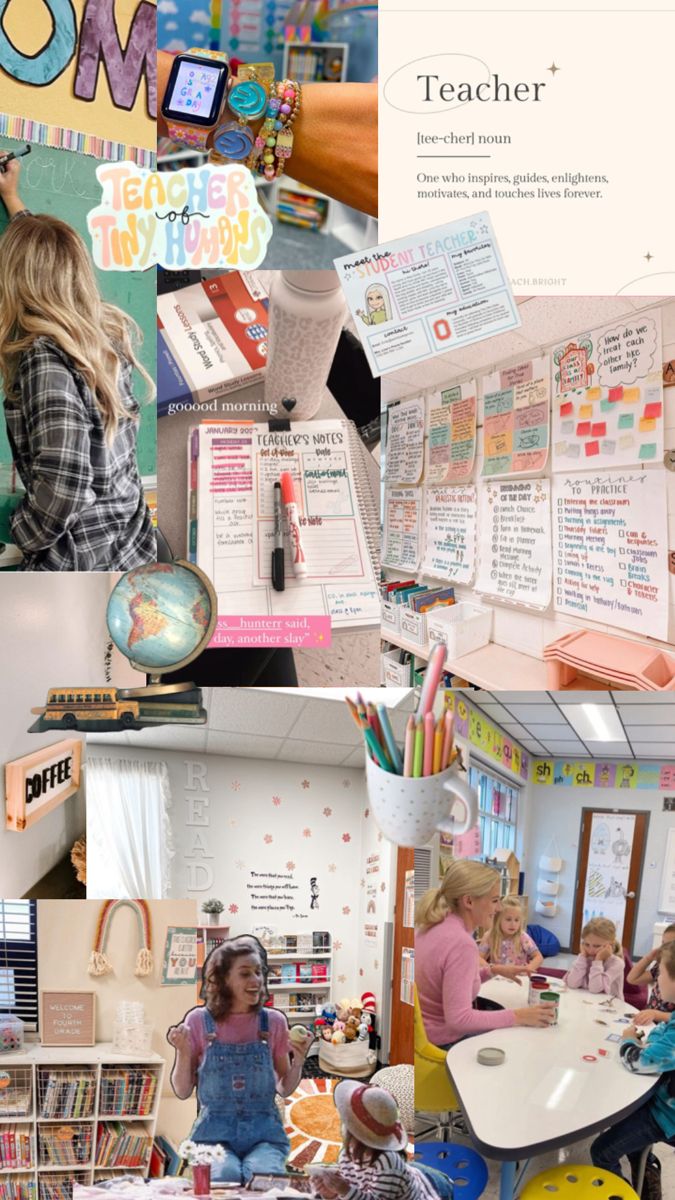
{"points": [[66, 362]]}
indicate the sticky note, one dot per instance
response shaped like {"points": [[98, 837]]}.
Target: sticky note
{"points": [[583, 428], [631, 395], [626, 420], [599, 428], [585, 410], [567, 426], [614, 394], [647, 451], [561, 448], [566, 410], [573, 450], [652, 410], [608, 446], [605, 406], [626, 441], [647, 425], [592, 448], [593, 393]]}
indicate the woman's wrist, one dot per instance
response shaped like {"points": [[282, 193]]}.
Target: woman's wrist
{"points": [[14, 204]]}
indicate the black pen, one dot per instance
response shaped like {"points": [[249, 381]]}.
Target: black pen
{"points": [[278, 582], [7, 158]]}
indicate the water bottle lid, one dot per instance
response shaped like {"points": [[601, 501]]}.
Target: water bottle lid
{"points": [[312, 281]]}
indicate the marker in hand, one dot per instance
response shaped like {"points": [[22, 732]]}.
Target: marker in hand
{"points": [[288, 496], [5, 159]]}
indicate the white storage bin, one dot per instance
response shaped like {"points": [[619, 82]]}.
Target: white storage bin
{"points": [[463, 627], [395, 673], [547, 887], [546, 908], [390, 617], [413, 626]]}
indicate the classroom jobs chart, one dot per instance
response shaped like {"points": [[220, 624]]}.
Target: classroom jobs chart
{"points": [[405, 441], [428, 294], [516, 403], [610, 544], [450, 533], [451, 447], [402, 528], [608, 396], [514, 547]]}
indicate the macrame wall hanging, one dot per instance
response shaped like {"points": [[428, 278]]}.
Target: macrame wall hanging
{"points": [[99, 963]]}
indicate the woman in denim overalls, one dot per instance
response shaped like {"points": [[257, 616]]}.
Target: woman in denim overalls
{"points": [[236, 1052]]}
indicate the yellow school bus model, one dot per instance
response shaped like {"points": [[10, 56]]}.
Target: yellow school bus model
{"points": [[104, 709]]}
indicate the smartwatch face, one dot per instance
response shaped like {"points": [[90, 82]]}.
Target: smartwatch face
{"points": [[195, 91]]}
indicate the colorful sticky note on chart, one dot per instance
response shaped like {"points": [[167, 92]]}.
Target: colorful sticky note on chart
{"points": [[605, 406], [631, 395], [626, 441], [567, 410], [614, 394], [608, 446], [585, 410], [647, 425], [583, 428], [626, 420], [647, 451], [593, 393], [599, 428], [592, 448], [653, 410]]}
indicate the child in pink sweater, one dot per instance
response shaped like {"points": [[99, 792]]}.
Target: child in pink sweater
{"points": [[600, 966]]}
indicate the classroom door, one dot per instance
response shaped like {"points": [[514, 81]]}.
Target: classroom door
{"points": [[401, 1040], [611, 852]]}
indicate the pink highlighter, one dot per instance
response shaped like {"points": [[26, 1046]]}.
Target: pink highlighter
{"points": [[298, 553]]}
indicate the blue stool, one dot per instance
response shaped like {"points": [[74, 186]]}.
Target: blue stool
{"points": [[467, 1170]]}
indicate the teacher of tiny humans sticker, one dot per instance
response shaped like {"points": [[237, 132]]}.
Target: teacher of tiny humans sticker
{"points": [[238, 1055], [447, 963], [66, 362]]}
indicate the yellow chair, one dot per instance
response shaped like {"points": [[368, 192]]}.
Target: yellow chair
{"points": [[577, 1183], [433, 1091]]}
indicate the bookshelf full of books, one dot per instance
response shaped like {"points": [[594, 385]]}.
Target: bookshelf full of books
{"points": [[300, 973], [74, 1115]]}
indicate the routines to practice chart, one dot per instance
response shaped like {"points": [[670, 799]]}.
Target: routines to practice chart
{"points": [[608, 396], [429, 293], [516, 402], [451, 446], [610, 543], [514, 555]]}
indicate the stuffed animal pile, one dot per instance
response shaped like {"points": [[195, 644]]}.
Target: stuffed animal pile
{"points": [[347, 1021]]}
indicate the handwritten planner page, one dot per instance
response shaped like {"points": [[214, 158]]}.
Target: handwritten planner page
{"points": [[405, 441], [451, 447], [317, 455], [608, 396], [429, 293], [516, 403], [402, 528], [514, 547], [610, 538], [450, 533]]}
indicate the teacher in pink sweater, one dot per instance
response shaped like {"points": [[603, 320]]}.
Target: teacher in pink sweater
{"points": [[447, 966]]}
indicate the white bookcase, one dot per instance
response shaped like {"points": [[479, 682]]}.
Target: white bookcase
{"points": [[57, 1097], [320, 953]]}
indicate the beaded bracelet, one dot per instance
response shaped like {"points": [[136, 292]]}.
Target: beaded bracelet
{"points": [[275, 139], [247, 99]]}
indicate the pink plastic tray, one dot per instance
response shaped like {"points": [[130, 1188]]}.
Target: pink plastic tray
{"points": [[615, 659]]}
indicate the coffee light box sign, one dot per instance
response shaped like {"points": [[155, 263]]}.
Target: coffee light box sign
{"points": [[67, 1018], [37, 783]]}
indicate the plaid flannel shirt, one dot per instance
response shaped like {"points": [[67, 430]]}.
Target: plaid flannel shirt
{"points": [[84, 508]]}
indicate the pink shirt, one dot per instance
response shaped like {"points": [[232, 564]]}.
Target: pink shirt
{"points": [[597, 976], [448, 980], [238, 1028], [507, 954]]}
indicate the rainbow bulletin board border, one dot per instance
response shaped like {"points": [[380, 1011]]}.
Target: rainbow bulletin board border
{"points": [[486, 737], [654, 776], [99, 963], [25, 130]]}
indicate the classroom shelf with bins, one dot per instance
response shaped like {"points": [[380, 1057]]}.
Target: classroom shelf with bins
{"points": [[84, 1113]]}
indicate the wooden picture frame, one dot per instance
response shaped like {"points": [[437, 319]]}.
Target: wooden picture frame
{"points": [[68, 1018], [37, 783]]}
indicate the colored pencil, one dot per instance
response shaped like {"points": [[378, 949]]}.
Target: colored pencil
{"points": [[375, 749], [374, 723], [429, 725], [394, 752], [432, 677], [447, 740], [409, 749], [438, 746], [353, 710], [418, 752]]}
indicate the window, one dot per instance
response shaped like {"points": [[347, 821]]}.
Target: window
{"points": [[18, 960], [497, 810]]}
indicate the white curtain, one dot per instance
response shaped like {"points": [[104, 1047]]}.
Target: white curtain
{"points": [[129, 844]]}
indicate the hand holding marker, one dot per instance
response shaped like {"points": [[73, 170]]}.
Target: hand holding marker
{"points": [[428, 744], [5, 159]]}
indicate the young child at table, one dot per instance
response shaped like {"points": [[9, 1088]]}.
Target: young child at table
{"points": [[373, 1164], [647, 971], [599, 966], [655, 1120], [507, 948], [238, 1054]]}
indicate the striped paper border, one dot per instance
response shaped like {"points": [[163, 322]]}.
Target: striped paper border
{"points": [[23, 129]]}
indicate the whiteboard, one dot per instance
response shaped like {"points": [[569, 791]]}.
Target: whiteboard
{"points": [[667, 900]]}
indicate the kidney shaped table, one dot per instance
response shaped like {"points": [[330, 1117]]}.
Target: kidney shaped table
{"points": [[553, 1088]]}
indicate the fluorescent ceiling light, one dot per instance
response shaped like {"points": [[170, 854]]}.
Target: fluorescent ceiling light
{"points": [[391, 697], [595, 722]]}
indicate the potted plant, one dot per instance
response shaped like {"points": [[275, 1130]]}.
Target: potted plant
{"points": [[200, 1157], [213, 909]]}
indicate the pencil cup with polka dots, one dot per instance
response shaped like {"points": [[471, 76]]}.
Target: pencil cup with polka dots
{"points": [[409, 810]]}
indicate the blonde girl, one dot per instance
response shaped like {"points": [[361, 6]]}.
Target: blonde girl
{"points": [[647, 971], [66, 363], [507, 944], [599, 966], [447, 962]]}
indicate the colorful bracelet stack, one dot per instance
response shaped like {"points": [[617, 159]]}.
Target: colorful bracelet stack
{"points": [[274, 144], [247, 99]]}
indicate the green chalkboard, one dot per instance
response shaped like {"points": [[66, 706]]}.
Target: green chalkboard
{"points": [[65, 184]]}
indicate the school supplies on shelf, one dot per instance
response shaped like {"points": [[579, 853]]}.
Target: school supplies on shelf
{"points": [[233, 467]]}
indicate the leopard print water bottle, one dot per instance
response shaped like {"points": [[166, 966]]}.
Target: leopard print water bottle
{"points": [[306, 315]]}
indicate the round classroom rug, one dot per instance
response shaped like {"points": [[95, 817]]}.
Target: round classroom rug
{"points": [[312, 1123]]}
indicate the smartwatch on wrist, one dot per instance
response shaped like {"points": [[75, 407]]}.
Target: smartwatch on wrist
{"points": [[195, 96]]}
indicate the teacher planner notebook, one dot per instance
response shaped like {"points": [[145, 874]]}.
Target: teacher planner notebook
{"points": [[232, 468]]}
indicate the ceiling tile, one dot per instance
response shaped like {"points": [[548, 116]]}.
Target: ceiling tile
{"points": [[659, 733], [630, 697], [249, 710], [318, 753], [245, 745], [532, 746], [610, 749], [651, 750], [527, 713], [496, 712], [555, 729], [582, 697], [510, 698], [357, 758], [648, 714], [327, 721], [566, 748], [513, 729], [170, 737]]}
